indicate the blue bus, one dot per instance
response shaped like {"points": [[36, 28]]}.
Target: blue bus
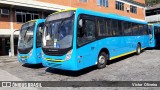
{"points": [[29, 43], [154, 31], [78, 38]]}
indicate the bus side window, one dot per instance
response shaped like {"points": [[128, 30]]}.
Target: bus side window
{"points": [[145, 30], [39, 35], [86, 32], [120, 25], [141, 30], [134, 29], [115, 29], [125, 27], [108, 27], [101, 27]]}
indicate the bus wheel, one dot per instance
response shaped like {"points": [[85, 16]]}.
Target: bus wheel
{"points": [[102, 60], [138, 50]]}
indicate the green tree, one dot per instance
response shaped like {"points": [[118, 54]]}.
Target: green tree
{"points": [[152, 2]]}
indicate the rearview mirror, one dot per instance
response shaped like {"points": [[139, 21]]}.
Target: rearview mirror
{"points": [[80, 23], [48, 37], [40, 30]]}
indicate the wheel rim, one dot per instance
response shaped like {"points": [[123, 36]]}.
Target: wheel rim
{"points": [[101, 59]]}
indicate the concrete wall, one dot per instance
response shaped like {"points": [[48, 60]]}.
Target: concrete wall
{"points": [[4, 22]]}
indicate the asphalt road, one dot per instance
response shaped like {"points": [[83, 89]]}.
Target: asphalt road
{"points": [[143, 67]]}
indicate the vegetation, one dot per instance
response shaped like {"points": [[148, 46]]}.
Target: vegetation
{"points": [[152, 2]]}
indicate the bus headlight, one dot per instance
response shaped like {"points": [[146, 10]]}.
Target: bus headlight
{"points": [[68, 55], [30, 53]]}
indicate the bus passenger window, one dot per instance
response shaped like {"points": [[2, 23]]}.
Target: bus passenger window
{"points": [[101, 27], [141, 29], [127, 28], [86, 32], [145, 30], [108, 27], [115, 29]]}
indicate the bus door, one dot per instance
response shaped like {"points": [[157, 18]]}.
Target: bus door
{"points": [[151, 36], [86, 46], [157, 36], [38, 40]]}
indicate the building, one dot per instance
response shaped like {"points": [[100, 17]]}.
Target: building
{"points": [[15, 12], [153, 14]]}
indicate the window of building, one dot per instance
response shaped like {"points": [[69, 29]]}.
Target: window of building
{"points": [[146, 30], [103, 3], [133, 9], [141, 29], [83, 0], [119, 5], [24, 16]]}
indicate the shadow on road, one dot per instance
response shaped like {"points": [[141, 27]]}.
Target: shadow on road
{"points": [[33, 66], [71, 73], [121, 59], [85, 70], [156, 48]]}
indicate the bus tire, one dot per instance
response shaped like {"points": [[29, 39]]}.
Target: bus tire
{"points": [[138, 49], [102, 60]]}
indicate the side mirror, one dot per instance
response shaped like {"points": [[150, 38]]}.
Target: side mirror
{"points": [[80, 23], [40, 30]]}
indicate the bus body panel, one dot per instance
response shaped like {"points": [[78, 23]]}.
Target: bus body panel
{"points": [[34, 56], [87, 55], [39, 54]]}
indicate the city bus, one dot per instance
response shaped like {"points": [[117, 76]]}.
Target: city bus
{"points": [[29, 43], [75, 39], [154, 31]]}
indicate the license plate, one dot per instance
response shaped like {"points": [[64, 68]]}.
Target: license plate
{"points": [[24, 60], [53, 64]]}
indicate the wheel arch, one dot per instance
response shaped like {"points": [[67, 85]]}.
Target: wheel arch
{"points": [[105, 50]]}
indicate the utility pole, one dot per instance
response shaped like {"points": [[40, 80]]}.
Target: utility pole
{"points": [[12, 31]]}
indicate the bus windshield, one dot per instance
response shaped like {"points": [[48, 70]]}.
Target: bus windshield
{"points": [[26, 36], [58, 32]]}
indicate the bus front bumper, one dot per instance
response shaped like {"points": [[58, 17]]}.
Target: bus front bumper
{"points": [[62, 64], [26, 59]]}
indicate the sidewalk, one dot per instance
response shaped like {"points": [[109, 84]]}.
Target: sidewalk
{"points": [[5, 76], [7, 57]]}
